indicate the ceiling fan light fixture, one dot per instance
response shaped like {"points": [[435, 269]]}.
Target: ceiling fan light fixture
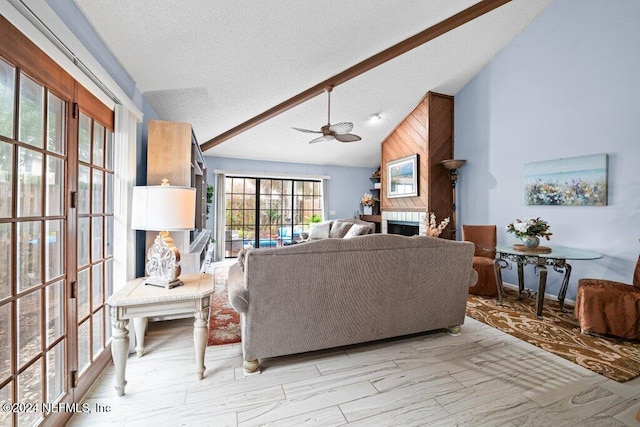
{"points": [[375, 118]]}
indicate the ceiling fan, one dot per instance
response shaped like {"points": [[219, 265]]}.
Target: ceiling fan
{"points": [[339, 131]]}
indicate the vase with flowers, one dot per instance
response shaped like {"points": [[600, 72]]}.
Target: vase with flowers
{"points": [[530, 230], [368, 201], [431, 229]]}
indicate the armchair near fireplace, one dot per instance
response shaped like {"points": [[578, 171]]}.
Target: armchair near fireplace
{"points": [[485, 239]]}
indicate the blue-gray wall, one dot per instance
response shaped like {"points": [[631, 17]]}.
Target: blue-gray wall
{"points": [[345, 186], [567, 86]]}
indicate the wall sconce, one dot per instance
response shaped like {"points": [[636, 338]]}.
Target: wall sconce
{"points": [[452, 166], [163, 208]]}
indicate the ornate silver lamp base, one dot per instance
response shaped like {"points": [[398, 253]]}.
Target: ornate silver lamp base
{"points": [[163, 263]]}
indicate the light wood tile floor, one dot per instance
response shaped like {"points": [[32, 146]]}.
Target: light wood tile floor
{"points": [[481, 377]]}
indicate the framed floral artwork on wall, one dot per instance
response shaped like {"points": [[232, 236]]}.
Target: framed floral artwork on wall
{"points": [[573, 181]]}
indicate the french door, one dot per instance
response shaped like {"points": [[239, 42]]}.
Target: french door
{"points": [[56, 228], [265, 212]]}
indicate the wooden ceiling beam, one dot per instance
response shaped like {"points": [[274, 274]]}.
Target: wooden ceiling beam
{"points": [[394, 51]]}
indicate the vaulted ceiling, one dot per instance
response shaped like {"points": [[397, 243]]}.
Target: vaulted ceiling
{"points": [[221, 65]]}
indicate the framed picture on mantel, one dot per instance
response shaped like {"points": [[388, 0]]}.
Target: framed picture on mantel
{"points": [[402, 177]]}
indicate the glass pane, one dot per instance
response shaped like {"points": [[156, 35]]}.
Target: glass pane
{"points": [[98, 318], [7, 98], [5, 342], [83, 189], [83, 241], [97, 191], [108, 151], [98, 144], [96, 235], [29, 182], [84, 138], [108, 198], [55, 372], [83, 294], [108, 278], [29, 238], [107, 330], [83, 345], [96, 297], [55, 186], [30, 392], [31, 119], [54, 250], [54, 310], [5, 261], [5, 396], [6, 180], [108, 236], [56, 120], [28, 319]]}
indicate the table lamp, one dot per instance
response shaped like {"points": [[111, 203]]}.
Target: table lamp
{"points": [[163, 208]]}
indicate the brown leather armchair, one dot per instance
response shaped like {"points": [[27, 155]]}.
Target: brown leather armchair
{"points": [[485, 239], [608, 307]]}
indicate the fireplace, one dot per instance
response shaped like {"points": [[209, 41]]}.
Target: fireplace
{"points": [[404, 228], [403, 223]]}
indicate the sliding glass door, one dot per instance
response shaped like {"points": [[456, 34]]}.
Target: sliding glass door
{"points": [[265, 212]]}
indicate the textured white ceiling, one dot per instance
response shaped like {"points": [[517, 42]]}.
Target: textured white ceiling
{"points": [[216, 64]]}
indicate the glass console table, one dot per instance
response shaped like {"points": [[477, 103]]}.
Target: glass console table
{"points": [[557, 258]]}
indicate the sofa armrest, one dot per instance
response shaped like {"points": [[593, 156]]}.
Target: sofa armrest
{"points": [[238, 294], [473, 277]]}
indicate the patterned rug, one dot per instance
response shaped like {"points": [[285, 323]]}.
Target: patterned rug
{"points": [[224, 322], [558, 333]]}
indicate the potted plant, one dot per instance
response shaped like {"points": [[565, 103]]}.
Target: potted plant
{"points": [[530, 230], [367, 201]]}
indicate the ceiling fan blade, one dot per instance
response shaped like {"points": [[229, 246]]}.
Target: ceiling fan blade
{"points": [[307, 130], [322, 138], [341, 128], [347, 137]]}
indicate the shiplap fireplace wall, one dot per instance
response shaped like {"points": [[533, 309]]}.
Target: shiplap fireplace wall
{"points": [[428, 132]]}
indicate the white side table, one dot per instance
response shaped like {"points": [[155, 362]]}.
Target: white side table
{"points": [[138, 301]]}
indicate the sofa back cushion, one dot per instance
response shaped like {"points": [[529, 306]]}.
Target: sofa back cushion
{"points": [[339, 229], [357, 230], [320, 230]]}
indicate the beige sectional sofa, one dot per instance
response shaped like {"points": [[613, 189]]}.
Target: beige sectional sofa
{"points": [[334, 292]]}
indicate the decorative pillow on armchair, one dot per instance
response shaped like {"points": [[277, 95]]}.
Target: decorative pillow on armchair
{"points": [[357, 230], [320, 230], [339, 229]]}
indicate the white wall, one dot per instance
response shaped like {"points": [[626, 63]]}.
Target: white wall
{"points": [[567, 86]]}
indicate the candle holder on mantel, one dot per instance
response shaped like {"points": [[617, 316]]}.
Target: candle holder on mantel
{"points": [[452, 166]]}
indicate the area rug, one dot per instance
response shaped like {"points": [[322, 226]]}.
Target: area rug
{"points": [[224, 321], [558, 333]]}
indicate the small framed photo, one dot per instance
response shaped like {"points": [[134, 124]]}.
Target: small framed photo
{"points": [[402, 177]]}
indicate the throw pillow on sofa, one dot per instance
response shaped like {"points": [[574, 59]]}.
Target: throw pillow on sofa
{"points": [[320, 230], [339, 229], [357, 230]]}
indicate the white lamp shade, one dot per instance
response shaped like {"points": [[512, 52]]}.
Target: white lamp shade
{"points": [[163, 208]]}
